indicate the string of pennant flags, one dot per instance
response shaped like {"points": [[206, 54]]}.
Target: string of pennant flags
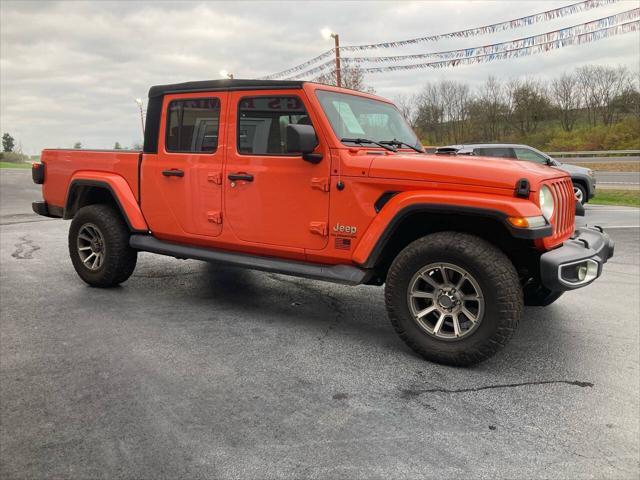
{"points": [[508, 46], [581, 39], [528, 20]]}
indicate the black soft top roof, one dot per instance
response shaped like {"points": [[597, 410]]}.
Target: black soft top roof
{"points": [[225, 84], [157, 92]]}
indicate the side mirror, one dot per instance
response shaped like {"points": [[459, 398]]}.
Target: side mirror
{"points": [[302, 139]]}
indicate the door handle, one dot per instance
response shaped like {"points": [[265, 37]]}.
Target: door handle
{"points": [[245, 177], [174, 172]]}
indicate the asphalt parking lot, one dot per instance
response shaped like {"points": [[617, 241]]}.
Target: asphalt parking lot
{"points": [[194, 370]]}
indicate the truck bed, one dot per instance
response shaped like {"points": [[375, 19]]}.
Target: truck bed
{"points": [[62, 165]]}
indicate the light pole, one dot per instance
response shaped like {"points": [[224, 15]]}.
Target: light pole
{"points": [[140, 103], [224, 73], [327, 34]]}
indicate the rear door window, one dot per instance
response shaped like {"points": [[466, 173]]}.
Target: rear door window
{"points": [[192, 125]]}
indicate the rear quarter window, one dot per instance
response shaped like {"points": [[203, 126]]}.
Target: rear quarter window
{"points": [[500, 152]]}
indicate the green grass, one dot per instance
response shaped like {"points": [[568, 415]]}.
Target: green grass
{"points": [[627, 198], [14, 165]]}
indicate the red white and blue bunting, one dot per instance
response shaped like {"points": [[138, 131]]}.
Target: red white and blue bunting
{"points": [[548, 15], [509, 46]]}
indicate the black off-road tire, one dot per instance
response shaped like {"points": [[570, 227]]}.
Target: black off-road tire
{"points": [[119, 258], [539, 296], [496, 277]]}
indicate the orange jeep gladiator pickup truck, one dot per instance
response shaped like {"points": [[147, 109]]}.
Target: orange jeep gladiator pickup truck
{"points": [[331, 184]]}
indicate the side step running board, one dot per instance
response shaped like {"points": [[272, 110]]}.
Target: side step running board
{"points": [[345, 274]]}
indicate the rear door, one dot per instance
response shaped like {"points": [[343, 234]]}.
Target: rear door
{"points": [[182, 184], [273, 197]]}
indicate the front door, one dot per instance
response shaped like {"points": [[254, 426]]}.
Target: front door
{"points": [[273, 197], [182, 184]]}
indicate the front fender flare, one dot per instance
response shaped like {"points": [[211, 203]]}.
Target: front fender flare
{"points": [[120, 191], [479, 204]]}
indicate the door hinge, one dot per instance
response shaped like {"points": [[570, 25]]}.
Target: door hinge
{"points": [[214, 217], [320, 183], [215, 177], [319, 228]]}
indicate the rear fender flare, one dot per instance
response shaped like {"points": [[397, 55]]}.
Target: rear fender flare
{"points": [[120, 191], [404, 204]]}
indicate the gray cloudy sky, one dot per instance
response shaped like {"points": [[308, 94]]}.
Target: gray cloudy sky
{"points": [[70, 71]]}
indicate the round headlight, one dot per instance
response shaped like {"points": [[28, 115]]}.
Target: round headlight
{"points": [[546, 202]]}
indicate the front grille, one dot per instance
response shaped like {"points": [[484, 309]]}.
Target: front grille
{"points": [[564, 215]]}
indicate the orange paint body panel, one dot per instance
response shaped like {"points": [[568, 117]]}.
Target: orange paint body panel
{"points": [[62, 165], [125, 196]]}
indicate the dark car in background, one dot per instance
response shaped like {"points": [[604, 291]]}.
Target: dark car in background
{"points": [[584, 182]]}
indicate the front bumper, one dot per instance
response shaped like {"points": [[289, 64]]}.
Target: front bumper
{"points": [[578, 262]]}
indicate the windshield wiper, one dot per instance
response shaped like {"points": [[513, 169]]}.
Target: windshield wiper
{"points": [[361, 141], [398, 143]]}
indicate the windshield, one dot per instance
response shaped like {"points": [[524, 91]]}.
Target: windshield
{"points": [[352, 116]]}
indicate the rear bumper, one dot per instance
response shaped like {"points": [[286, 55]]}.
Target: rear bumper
{"points": [[578, 262], [46, 210]]}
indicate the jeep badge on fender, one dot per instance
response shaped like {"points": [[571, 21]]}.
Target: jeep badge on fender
{"points": [[257, 172], [345, 229]]}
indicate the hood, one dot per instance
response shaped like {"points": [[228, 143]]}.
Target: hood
{"points": [[461, 169], [573, 169]]}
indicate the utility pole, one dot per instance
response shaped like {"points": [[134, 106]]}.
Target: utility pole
{"points": [[327, 33], [336, 37], [140, 102]]}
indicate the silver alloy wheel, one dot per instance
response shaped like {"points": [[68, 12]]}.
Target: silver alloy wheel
{"points": [[578, 193], [445, 301], [91, 248]]}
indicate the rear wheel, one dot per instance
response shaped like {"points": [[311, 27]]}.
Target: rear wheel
{"points": [[99, 246], [453, 298]]}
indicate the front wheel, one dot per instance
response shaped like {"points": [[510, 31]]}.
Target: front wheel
{"points": [[453, 298], [99, 246], [580, 192]]}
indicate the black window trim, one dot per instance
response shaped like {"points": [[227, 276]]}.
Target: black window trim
{"points": [[280, 95], [166, 125]]}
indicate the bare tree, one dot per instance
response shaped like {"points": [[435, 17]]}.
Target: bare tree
{"points": [[442, 112], [610, 85], [455, 98], [430, 113], [567, 98], [408, 106], [489, 109], [629, 101], [352, 77], [529, 104], [588, 92]]}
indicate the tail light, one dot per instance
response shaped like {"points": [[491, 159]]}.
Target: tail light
{"points": [[37, 173]]}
